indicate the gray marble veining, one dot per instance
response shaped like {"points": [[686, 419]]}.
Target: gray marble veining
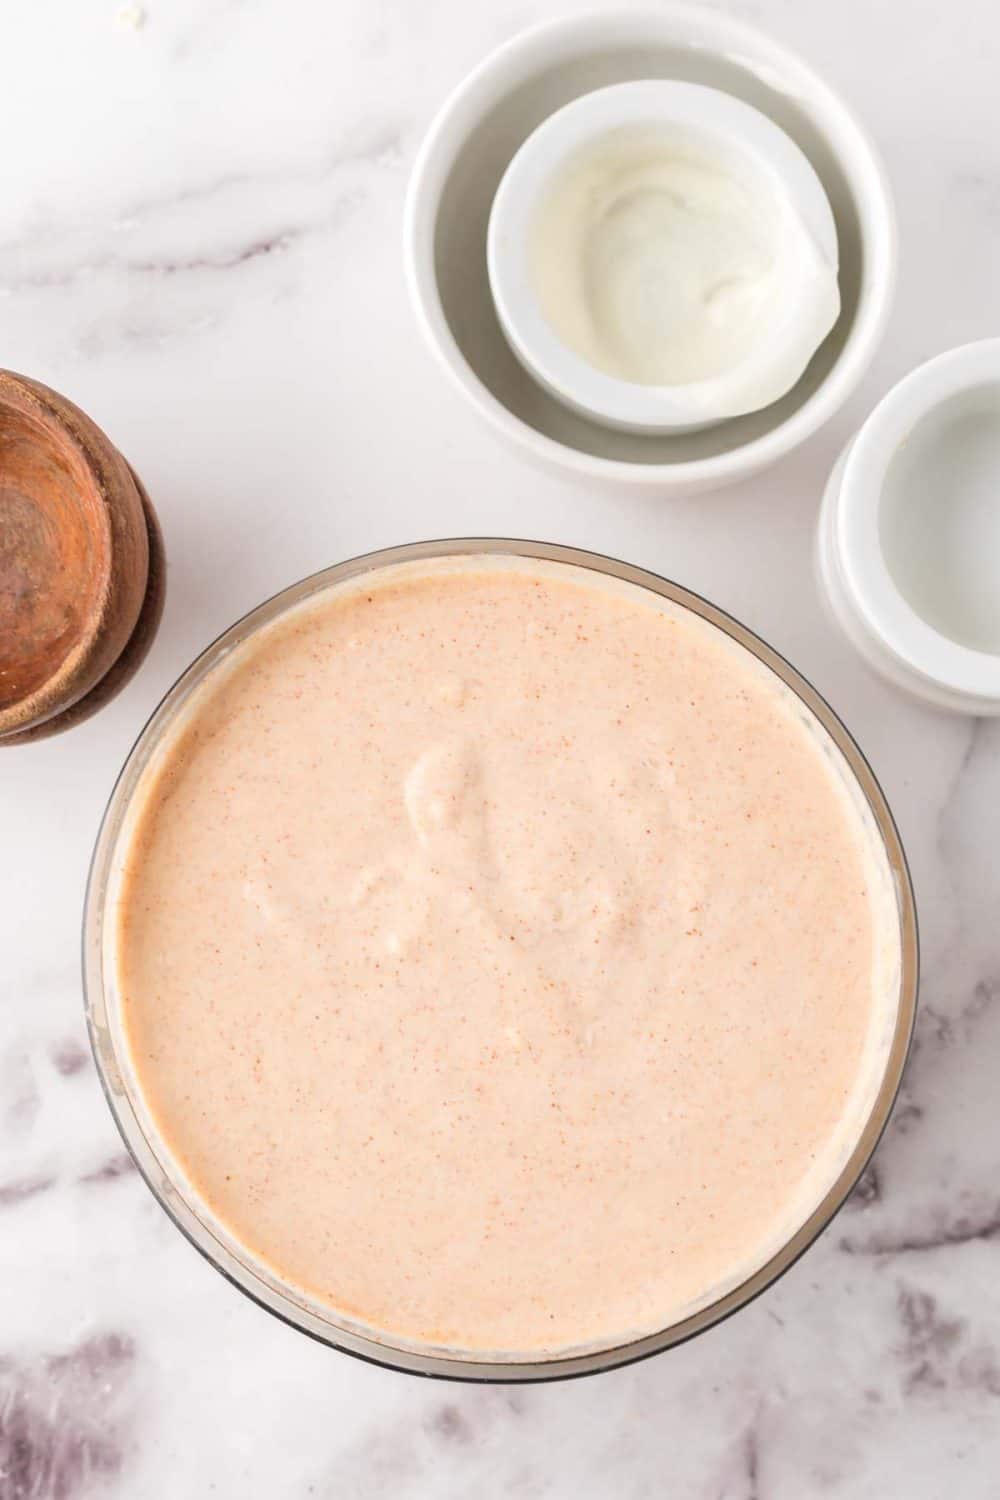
{"points": [[200, 242]]}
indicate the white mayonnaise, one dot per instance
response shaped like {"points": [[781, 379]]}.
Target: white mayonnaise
{"points": [[665, 259]]}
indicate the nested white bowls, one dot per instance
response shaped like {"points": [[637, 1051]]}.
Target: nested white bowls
{"points": [[476, 135]]}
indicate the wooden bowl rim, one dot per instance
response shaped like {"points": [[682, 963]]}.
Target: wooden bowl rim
{"points": [[70, 429]]}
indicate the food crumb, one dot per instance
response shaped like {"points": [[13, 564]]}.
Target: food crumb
{"points": [[131, 17]]}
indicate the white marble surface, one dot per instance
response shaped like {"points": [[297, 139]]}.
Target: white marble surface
{"points": [[200, 243]]}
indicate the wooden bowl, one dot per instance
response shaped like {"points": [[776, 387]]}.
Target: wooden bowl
{"points": [[79, 599]]}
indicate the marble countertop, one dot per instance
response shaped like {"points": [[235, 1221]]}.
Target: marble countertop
{"points": [[200, 243]]}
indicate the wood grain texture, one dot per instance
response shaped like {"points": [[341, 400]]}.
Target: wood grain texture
{"points": [[74, 555]]}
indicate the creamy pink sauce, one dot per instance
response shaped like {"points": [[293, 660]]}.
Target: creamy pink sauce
{"points": [[504, 957]]}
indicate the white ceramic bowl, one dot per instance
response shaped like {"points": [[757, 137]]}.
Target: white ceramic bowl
{"points": [[475, 136], [742, 141], [908, 547]]}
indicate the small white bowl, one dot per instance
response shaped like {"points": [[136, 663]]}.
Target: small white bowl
{"points": [[740, 140], [908, 547], [466, 152]]}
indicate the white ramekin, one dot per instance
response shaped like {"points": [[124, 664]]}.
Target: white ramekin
{"points": [[858, 578], [477, 133], [743, 141]]}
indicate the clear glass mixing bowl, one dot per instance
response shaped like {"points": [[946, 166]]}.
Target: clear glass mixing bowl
{"points": [[164, 1177]]}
